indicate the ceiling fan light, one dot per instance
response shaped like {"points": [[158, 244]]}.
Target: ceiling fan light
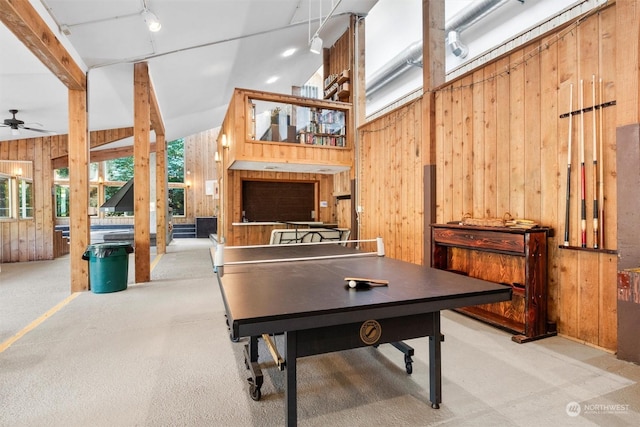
{"points": [[15, 131], [153, 23], [316, 45]]}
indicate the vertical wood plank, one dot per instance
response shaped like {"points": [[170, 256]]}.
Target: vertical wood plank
{"points": [[550, 167], [457, 147], [588, 288], [478, 140], [532, 136], [490, 142], [503, 136], [567, 309], [517, 134], [466, 155], [608, 325]]}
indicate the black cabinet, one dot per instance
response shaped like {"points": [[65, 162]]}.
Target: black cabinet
{"points": [[206, 226]]}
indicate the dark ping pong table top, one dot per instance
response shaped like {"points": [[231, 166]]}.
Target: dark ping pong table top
{"points": [[272, 297]]}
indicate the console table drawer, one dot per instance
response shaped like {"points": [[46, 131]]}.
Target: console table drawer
{"points": [[480, 239]]}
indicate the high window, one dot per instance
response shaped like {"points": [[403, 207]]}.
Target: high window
{"points": [[107, 177]]}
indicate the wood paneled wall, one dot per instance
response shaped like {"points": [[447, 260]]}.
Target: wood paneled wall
{"points": [[391, 177], [200, 166], [339, 56], [13, 167], [30, 239], [501, 147]]}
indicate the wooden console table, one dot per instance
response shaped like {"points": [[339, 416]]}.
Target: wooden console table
{"points": [[511, 256]]}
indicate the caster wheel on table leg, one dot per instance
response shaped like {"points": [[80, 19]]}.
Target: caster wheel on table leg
{"points": [[254, 391], [408, 364]]}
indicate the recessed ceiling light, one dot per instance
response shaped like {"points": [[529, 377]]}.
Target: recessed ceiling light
{"points": [[272, 80], [288, 52]]}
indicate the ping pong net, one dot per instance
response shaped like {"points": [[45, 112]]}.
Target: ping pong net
{"points": [[259, 254]]}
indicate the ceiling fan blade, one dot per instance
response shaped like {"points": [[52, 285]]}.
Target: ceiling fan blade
{"points": [[36, 130]]}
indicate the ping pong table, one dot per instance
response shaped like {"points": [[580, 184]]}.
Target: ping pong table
{"points": [[299, 290]]}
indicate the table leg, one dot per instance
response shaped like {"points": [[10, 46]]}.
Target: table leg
{"points": [[435, 371], [251, 362], [290, 389], [253, 349]]}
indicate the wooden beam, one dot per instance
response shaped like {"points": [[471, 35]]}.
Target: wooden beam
{"points": [[141, 190], [157, 124], [79, 225], [98, 138], [100, 156], [23, 21]]}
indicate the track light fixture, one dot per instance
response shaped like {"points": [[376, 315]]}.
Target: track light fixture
{"points": [[316, 45], [151, 20], [315, 42]]}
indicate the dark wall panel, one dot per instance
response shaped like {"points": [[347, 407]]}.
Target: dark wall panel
{"points": [[278, 201]]}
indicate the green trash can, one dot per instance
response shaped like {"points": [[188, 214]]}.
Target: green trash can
{"points": [[108, 266]]}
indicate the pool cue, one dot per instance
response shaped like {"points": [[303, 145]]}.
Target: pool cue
{"points": [[568, 207], [601, 195], [595, 167], [583, 200]]}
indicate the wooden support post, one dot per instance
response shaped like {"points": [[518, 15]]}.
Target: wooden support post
{"points": [[141, 191], [433, 69], [359, 102], [79, 223], [161, 194]]}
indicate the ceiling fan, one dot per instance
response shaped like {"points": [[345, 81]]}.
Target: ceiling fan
{"points": [[16, 125]]}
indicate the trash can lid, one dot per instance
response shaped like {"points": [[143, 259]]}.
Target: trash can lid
{"points": [[105, 249]]}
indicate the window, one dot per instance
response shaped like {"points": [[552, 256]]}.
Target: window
{"points": [[25, 197], [62, 201], [5, 197], [176, 201], [107, 177], [93, 200], [176, 177], [119, 170]]}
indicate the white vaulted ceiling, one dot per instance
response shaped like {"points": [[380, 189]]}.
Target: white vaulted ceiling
{"points": [[205, 49]]}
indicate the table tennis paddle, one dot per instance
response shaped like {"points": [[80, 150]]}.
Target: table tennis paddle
{"points": [[364, 283]]}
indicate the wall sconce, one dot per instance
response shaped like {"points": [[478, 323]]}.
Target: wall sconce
{"points": [[216, 156], [188, 182], [225, 143], [100, 179], [18, 172]]}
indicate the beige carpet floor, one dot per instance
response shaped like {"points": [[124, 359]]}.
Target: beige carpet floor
{"points": [[158, 354]]}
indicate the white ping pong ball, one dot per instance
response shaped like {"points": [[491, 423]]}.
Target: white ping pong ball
{"points": [[352, 283]]}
